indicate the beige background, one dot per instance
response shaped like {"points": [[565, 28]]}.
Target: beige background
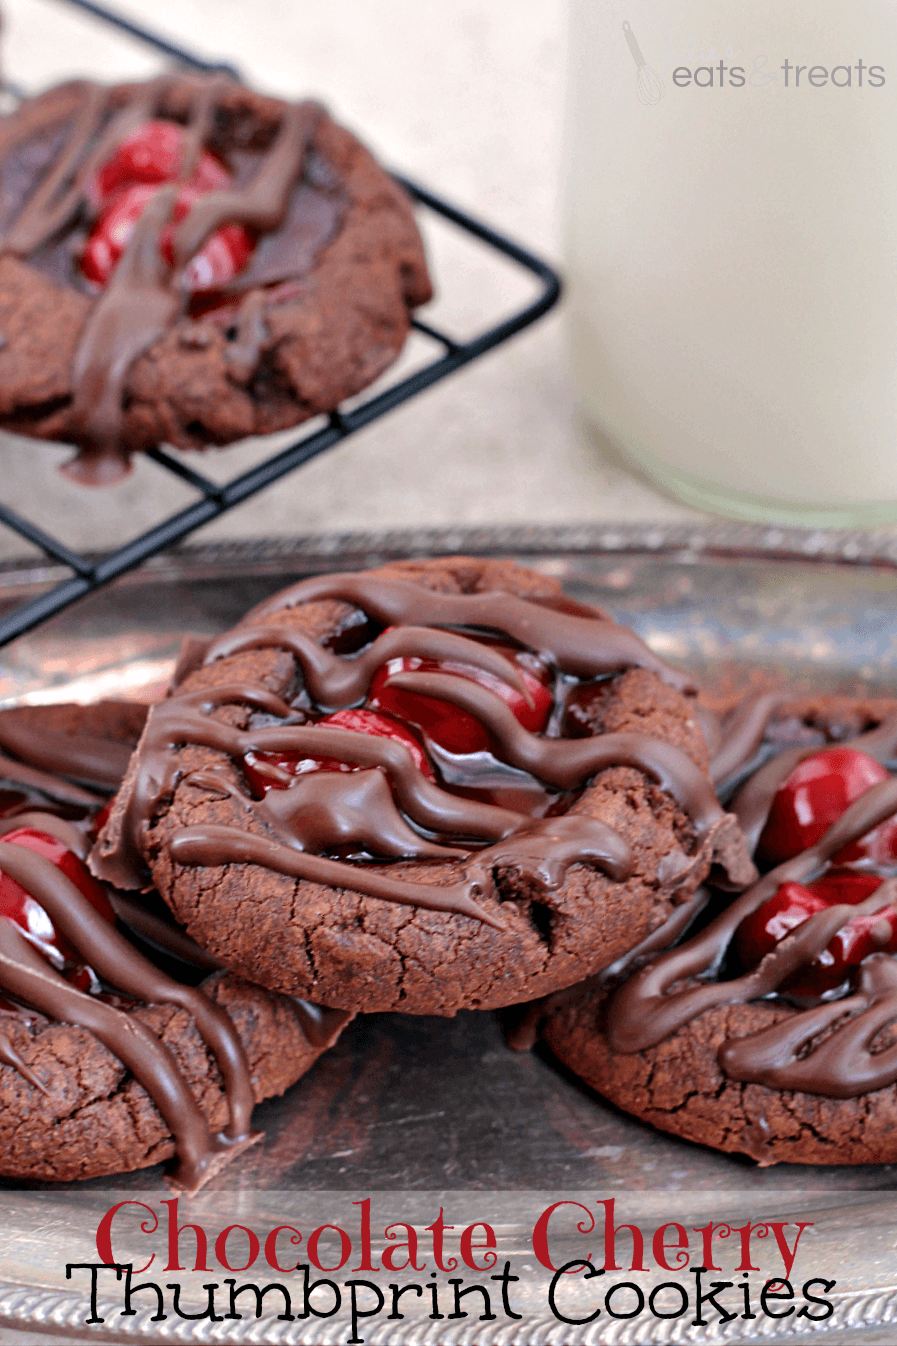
{"points": [[468, 97]]}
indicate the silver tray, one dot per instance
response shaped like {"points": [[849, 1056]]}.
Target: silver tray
{"points": [[423, 1112]]}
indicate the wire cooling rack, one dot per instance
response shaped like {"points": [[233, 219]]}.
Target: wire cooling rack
{"points": [[90, 572]]}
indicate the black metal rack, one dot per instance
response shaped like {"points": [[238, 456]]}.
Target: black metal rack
{"points": [[90, 573]]}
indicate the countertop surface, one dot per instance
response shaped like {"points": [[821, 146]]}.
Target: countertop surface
{"points": [[467, 98]]}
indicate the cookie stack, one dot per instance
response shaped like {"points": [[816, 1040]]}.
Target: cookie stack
{"points": [[433, 786]]}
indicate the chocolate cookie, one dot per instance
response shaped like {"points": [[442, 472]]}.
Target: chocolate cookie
{"points": [[111, 1059], [186, 261], [432, 786], [771, 1030]]}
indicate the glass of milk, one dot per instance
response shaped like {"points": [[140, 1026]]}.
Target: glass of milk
{"points": [[732, 249]]}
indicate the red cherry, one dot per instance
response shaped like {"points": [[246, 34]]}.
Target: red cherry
{"points": [[451, 728], [275, 770], [17, 905], [153, 154], [817, 792], [217, 262], [795, 903]]}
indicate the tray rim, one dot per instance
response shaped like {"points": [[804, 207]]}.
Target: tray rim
{"points": [[56, 1312], [715, 538]]}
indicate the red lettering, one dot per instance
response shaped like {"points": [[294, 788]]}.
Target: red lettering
{"points": [[221, 1247], [345, 1245], [788, 1254], [706, 1231], [104, 1233], [610, 1237], [174, 1235], [660, 1247], [468, 1247], [437, 1229], [271, 1247], [410, 1243], [745, 1231], [365, 1264], [540, 1232]]}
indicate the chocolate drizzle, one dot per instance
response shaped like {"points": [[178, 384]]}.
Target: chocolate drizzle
{"points": [[753, 801], [27, 976], [146, 295], [35, 733], [387, 807], [82, 754], [827, 1050], [583, 646]]}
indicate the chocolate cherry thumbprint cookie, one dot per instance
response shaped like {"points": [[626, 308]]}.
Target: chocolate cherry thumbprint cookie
{"points": [[433, 786], [112, 1058], [772, 1029], [186, 261]]}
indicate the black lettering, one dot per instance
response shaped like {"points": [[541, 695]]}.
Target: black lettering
{"points": [[505, 1278], [434, 1294], [746, 1291], [707, 84], [768, 1293], [625, 1285], [682, 76], [286, 1316], [355, 1339], [209, 1311], [160, 1314], [668, 1285], [829, 1307], [308, 1291], [93, 1268], [552, 1303], [486, 1317], [876, 76], [838, 83], [736, 76], [817, 75], [704, 1296], [397, 1292]]}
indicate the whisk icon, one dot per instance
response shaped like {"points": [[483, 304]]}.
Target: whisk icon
{"points": [[648, 83]]}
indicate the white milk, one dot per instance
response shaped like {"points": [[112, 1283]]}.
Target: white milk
{"points": [[732, 249]]}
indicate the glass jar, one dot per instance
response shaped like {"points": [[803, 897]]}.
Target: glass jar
{"points": [[732, 249]]}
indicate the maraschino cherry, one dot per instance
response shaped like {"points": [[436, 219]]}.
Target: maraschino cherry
{"points": [[276, 771], [814, 796], [447, 725], [795, 903], [127, 181], [17, 905]]}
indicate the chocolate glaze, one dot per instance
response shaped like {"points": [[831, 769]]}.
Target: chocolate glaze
{"points": [[43, 993], [81, 756], [826, 1050], [52, 787], [586, 647], [742, 734], [753, 801], [145, 295], [389, 808], [26, 975]]}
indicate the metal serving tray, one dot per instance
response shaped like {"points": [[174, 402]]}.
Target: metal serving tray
{"points": [[423, 1112]]}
